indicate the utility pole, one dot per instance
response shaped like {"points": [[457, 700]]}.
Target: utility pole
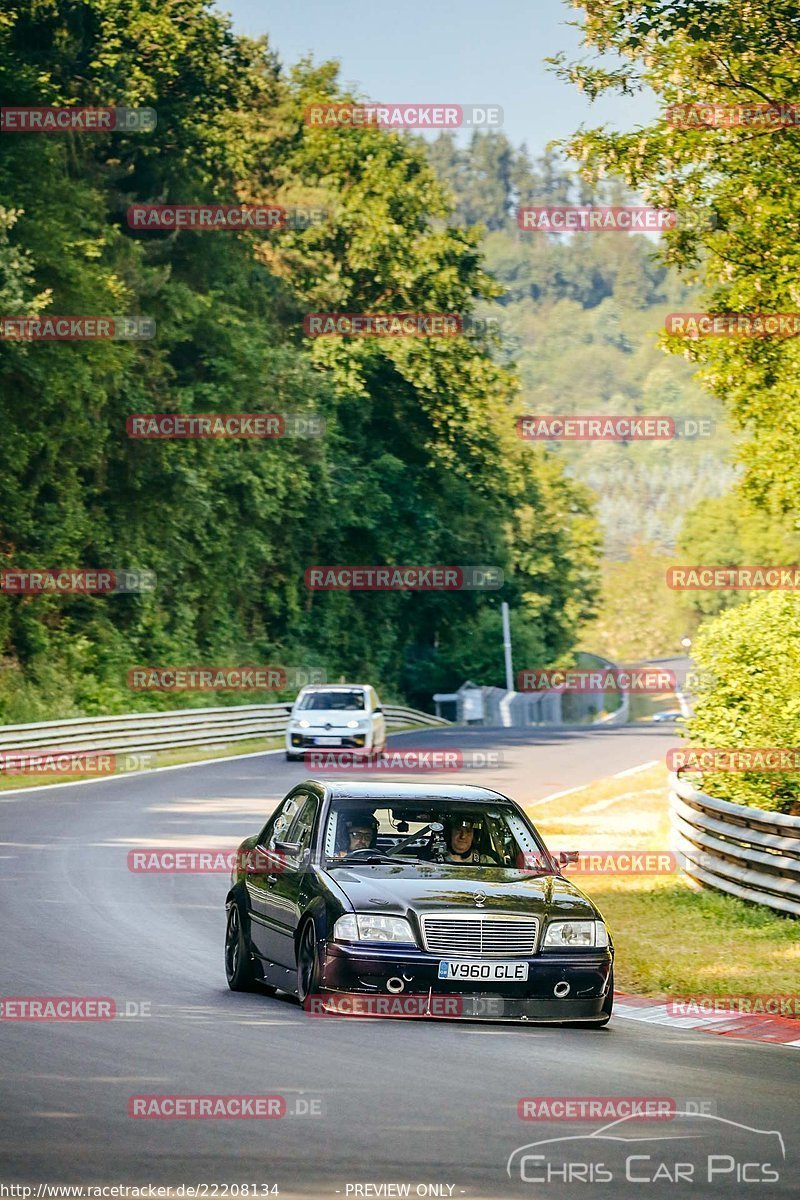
{"points": [[507, 647]]}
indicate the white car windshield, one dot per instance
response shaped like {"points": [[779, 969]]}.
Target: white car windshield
{"points": [[331, 700]]}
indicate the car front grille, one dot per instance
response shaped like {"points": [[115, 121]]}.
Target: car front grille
{"points": [[490, 935]]}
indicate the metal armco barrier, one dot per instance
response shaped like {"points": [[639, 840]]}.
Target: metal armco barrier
{"points": [[744, 851], [139, 732]]}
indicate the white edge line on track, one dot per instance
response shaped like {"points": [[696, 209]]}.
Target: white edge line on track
{"points": [[582, 786], [635, 770], [201, 762]]}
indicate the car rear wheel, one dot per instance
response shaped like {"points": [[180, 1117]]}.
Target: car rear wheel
{"points": [[308, 969], [238, 963]]}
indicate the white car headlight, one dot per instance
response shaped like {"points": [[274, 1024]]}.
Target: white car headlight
{"points": [[576, 933], [301, 724], [372, 927], [361, 724]]}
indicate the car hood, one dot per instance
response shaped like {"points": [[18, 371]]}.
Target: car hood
{"points": [[403, 889]]}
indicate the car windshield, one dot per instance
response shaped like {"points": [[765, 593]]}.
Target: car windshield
{"points": [[432, 831], [331, 700]]}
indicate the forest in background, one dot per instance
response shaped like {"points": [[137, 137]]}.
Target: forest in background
{"points": [[420, 462], [581, 316]]}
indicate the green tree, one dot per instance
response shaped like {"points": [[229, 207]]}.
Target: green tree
{"points": [[749, 660], [732, 184]]}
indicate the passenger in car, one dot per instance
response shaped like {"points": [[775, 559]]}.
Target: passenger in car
{"points": [[461, 841], [361, 833]]}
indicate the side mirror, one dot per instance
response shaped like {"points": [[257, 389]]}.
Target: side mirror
{"points": [[292, 848], [568, 856], [378, 709]]}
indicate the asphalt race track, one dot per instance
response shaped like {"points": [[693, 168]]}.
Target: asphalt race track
{"points": [[421, 1103]]}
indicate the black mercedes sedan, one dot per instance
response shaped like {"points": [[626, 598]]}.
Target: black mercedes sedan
{"points": [[414, 899]]}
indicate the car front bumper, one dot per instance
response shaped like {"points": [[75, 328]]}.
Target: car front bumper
{"points": [[305, 741], [361, 972]]}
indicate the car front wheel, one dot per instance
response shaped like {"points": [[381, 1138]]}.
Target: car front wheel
{"points": [[238, 963], [308, 969]]}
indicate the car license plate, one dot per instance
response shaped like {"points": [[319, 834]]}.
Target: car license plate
{"points": [[328, 741], [516, 972]]}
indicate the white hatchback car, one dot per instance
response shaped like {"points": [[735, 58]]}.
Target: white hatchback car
{"points": [[348, 716]]}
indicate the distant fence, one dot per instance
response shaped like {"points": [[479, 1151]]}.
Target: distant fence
{"points": [[743, 851], [140, 732]]}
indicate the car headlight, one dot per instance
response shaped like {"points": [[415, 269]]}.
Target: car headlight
{"points": [[301, 724], [372, 927], [576, 933], [362, 724]]}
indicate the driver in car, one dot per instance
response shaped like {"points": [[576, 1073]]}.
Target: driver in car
{"points": [[361, 834], [461, 843]]}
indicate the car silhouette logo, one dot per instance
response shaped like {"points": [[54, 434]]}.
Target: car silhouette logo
{"points": [[615, 1132], [480, 899]]}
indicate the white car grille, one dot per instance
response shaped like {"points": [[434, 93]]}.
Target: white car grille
{"points": [[488, 935]]}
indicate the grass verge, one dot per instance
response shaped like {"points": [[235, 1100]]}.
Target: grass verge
{"points": [[162, 758], [670, 937]]}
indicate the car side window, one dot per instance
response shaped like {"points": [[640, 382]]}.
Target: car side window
{"points": [[303, 824], [276, 827]]}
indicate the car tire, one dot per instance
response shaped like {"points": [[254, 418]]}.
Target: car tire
{"points": [[308, 968], [293, 757], [238, 960]]}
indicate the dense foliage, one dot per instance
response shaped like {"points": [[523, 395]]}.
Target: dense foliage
{"points": [[750, 663], [717, 53], [740, 55], [581, 315], [420, 463]]}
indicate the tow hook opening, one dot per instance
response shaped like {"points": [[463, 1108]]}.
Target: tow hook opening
{"points": [[395, 984], [561, 989]]}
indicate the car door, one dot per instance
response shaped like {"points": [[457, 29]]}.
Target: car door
{"points": [[378, 720], [288, 888], [263, 869]]}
